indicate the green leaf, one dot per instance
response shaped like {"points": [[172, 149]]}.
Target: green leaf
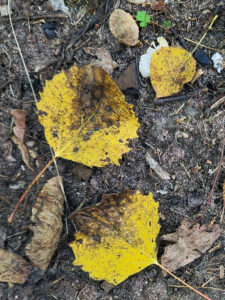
{"points": [[147, 19], [167, 23], [143, 24], [140, 16]]}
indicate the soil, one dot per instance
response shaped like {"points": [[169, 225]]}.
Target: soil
{"points": [[181, 136]]}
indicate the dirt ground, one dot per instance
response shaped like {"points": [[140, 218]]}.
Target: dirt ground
{"points": [[181, 136]]}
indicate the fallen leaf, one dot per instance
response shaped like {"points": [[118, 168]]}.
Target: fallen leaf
{"points": [[144, 64], [13, 268], [117, 237], [104, 59], [19, 132], [19, 120], [170, 69], [124, 27], [189, 244], [159, 6], [86, 117], [128, 79], [82, 172], [47, 216]]}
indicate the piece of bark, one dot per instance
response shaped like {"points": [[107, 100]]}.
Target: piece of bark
{"points": [[47, 214], [128, 79], [13, 268], [189, 244]]}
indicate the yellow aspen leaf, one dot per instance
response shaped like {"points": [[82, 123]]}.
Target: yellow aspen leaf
{"points": [[117, 237], [86, 117], [170, 69]]}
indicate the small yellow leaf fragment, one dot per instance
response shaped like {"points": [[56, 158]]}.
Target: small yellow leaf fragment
{"points": [[86, 117], [170, 69], [123, 27], [117, 238]]}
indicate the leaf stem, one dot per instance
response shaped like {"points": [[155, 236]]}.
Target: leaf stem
{"points": [[186, 284], [10, 219]]}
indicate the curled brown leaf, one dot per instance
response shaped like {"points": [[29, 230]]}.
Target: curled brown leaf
{"points": [[47, 216]]}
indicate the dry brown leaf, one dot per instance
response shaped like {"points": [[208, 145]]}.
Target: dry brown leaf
{"points": [[189, 244], [19, 132], [13, 268], [104, 59], [123, 27], [47, 214], [19, 120], [159, 6]]}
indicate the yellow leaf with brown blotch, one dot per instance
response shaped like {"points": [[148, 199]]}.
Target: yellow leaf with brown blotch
{"points": [[86, 117], [170, 69], [117, 237]]}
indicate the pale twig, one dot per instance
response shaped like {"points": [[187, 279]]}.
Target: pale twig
{"points": [[35, 99], [198, 287], [20, 52], [209, 199]]}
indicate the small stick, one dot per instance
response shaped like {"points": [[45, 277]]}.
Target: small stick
{"points": [[10, 219], [209, 199], [84, 29], [161, 101], [6, 19], [222, 214], [186, 284]]}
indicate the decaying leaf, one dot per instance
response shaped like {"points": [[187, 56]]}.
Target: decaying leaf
{"points": [[123, 27], [47, 216], [117, 237], [19, 132], [159, 6], [170, 69], [13, 268], [104, 59], [86, 117], [189, 244]]}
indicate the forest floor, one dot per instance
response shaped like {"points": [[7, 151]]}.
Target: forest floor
{"points": [[185, 138]]}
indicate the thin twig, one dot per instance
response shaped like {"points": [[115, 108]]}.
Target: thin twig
{"points": [[41, 17], [209, 199], [197, 287], [223, 210], [35, 99], [20, 52], [161, 101]]}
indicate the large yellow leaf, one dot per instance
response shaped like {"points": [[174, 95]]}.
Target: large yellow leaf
{"points": [[86, 117], [117, 238], [170, 69]]}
